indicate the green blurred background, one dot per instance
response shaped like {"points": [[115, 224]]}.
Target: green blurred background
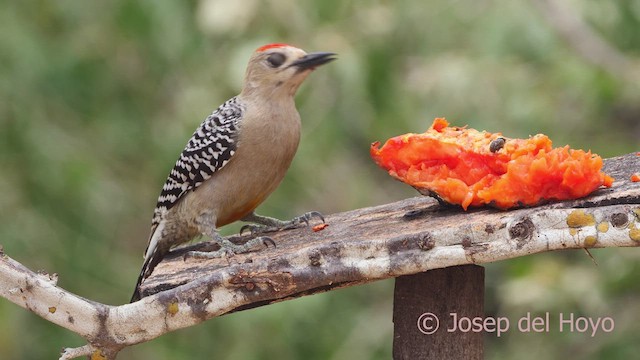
{"points": [[97, 99]]}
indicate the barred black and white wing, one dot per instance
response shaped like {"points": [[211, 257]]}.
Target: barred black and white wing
{"points": [[209, 150]]}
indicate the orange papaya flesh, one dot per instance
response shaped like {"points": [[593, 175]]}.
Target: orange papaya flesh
{"points": [[474, 168]]}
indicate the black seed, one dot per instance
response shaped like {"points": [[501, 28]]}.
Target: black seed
{"points": [[497, 144]]}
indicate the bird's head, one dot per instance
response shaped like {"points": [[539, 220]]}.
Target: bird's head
{"points": [[281, 68]]}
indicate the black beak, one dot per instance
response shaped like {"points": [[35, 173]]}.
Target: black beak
{"points": [[310, 61]]}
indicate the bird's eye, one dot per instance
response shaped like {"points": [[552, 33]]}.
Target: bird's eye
{"points": [[276, 59]]}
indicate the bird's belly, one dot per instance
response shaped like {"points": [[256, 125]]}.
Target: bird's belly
{"points": [[253, 187], [244, 183]]}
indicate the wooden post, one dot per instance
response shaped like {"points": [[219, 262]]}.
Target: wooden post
{"points": [[419, 298]]}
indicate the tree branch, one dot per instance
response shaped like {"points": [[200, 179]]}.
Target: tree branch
{"points": [[359, 246]]}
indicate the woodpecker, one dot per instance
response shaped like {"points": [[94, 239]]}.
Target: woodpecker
{"points": [[235, 159]]}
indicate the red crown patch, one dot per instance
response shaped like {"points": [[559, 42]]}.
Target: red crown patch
{"points": [[271, 46]]}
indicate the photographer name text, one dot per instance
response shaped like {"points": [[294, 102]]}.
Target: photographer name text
{"points": [[429, 323]]}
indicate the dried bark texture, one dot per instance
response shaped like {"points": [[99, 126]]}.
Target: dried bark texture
{"points": [[402, 238], [412, 236]]}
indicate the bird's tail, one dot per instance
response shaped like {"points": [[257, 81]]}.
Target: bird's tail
{"points": [[152, 257], [136, 292]]}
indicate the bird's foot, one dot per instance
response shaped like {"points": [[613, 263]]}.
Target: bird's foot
{"points": [[265, 224], [228, 249]]}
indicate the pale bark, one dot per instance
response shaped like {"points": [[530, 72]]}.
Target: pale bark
{"points": [[402, 238]]}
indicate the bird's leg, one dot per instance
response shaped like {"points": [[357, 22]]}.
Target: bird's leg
{"points": [[207, 226], [269, 224]]}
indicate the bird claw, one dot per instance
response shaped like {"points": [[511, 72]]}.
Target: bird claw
{"points": [[229, 249], [265, 240], [218, 254], [306, 217], [258, 229], [263, 224], [251, 227]]}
